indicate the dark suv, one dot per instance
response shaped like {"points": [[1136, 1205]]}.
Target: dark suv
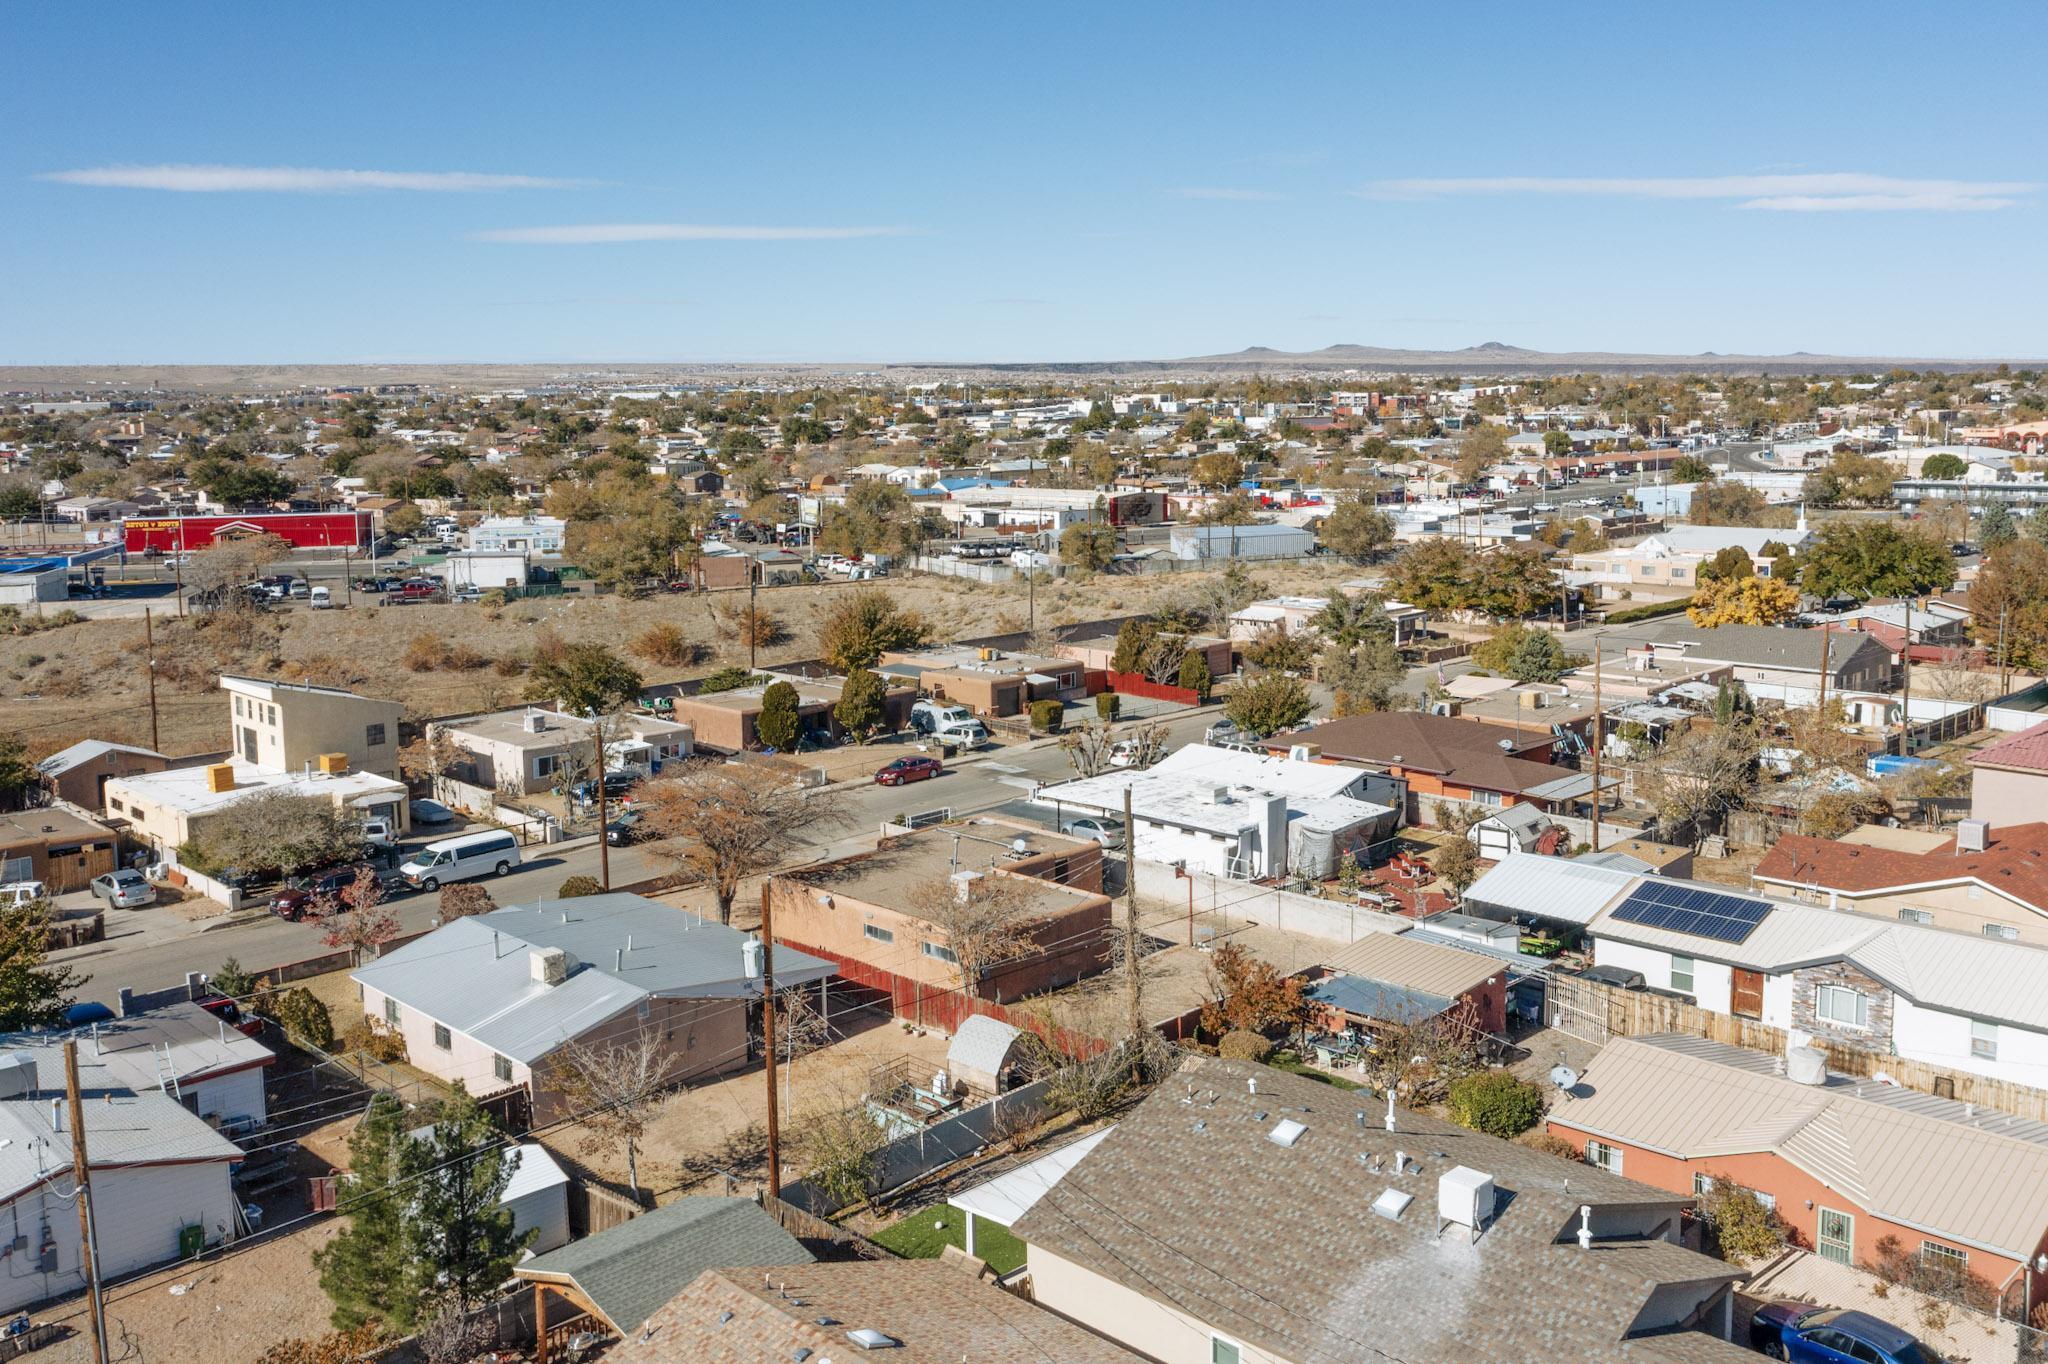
{"points": [[295, 899]]}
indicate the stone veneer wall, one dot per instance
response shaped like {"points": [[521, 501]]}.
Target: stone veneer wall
{"points": [[1876, 1037]]}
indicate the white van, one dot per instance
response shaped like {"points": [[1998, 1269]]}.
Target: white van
{"points": [[320, 598], [15, 894], [947, 723], [461, 859]]}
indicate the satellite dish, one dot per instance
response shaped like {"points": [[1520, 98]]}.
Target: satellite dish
{"points": [[1564, 1077]]}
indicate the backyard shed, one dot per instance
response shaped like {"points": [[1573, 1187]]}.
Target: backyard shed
{"points": [[981, 1052], [538, 1195]]}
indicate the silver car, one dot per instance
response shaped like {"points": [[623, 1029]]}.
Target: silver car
{"points": [[1103, 829], [125, 889]]}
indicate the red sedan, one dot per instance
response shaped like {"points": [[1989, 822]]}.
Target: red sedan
{"points": [[908, 769]]}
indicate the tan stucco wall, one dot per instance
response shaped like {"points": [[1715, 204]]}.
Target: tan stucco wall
{"points": [[1961, 909], [1108, 1308], [2006, 798], [309, 724]]}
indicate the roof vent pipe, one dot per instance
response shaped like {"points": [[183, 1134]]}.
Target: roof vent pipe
{"points": [[1251, 1084], [1585, 1226], [1390, 1108]]}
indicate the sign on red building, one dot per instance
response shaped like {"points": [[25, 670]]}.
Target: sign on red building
{"points": [[301, 530]]}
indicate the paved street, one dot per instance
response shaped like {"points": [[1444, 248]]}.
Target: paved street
{"points": [[154, 948]]}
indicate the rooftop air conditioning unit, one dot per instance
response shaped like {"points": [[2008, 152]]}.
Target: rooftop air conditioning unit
{"points": [[1464, 1197], [1973, 835], [1806, 1065], [536, 722], [550, 965], [1218, 795], [17, 1076]]}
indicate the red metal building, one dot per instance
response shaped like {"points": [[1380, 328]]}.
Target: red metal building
{"points": [[302, 530]]}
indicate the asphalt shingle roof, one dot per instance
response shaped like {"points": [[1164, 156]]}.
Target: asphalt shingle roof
{"points": [[2026, 751], [1191, 1205], [2015, 864], [630, 1270]]}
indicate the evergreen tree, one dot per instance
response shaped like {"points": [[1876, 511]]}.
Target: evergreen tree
{"points": [[1133, 639], [1194, 673], [32, 994], [461, 1237], [1996, 527], [860, 711], [367, 1270], [778, 725]]}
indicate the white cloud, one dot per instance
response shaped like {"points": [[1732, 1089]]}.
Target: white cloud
{"points": [[294, 180], [1836, 192], [1236, 196], [577, 234]]}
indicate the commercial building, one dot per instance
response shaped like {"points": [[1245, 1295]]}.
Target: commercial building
{"points": [[517, 535], [300, 530], [1199, 543]]}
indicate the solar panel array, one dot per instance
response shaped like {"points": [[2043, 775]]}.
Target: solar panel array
{"points": [[1686, 909]]}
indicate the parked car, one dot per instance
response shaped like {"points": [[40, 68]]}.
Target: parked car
{"points": [[1800, 1332], [947, 723], [1102, 828], [908, 770], [616, 785], [415, 590], [624, 829], [1224, 731], [15, 894], [462, 858], [471, 593], [295, 898], [320, 598], [1620, 977], [87, 1012], [124, 889], [1128, 753], [426, 812]]}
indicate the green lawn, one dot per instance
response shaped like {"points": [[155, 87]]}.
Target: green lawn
{"points": [[919, 1237]]}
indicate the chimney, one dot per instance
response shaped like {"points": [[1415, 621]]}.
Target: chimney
{"points": [[220, 777], [334, 764]]}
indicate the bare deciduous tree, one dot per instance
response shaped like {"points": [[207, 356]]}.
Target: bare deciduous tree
{"points": [[225, 565], [453, 1336], [1951, 678], [1087, 748], [616, 1083], [840, 1148], [1702, 774], [984, 919], [724, 823]]}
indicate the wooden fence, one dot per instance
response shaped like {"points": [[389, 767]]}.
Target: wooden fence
{"points": [[1595, 1012], [1137, 684]]}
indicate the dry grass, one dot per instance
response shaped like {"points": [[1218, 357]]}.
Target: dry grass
{"points": [[88, 680]]}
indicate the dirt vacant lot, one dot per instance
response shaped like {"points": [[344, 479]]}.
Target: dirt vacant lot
{"points": [[89, 680]]}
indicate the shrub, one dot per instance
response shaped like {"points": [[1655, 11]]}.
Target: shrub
{"points": [[373, 1042], [576, 887], [1496, 1103], [1647, 611], [1045, 715], [508, 665], [425, 653], [232, 981], [462, 658], [304, 1018], [1550, 1144], [1744, 1229], [1240, 1045], [460, 899], [1107, 704], [665, 643]]}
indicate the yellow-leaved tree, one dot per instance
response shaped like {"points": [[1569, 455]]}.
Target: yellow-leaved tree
{"points": [[1743, 601]]}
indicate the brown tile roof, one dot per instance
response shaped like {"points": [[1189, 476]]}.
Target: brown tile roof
{"points": [[937, 1313], [1466, 752], [2016, 864], [1191, 1205], [2026, 751]]}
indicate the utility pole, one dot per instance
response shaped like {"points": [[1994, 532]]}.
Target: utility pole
{"points": [[604, 843], [1827, 637], [149, 652], [768, 1038], [2003, 683], [1906, 685], [753, 620], [81, 1174], [1131, 919], [1599, 739]]}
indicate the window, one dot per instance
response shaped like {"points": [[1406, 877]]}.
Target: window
{"points": [[878, 933], [1769, 1200], [1702, 1185], [1983, 1040], [238, 707], [941, 953], [1681, 974], [1840, 1004], [1943, 1257], [1916, 916], [1223, 1351], [1606, 1157], [1486, 798], [441, 1037], [273, 714], [391, 1012], [501, 1066], [2002, 932], [373, 736], [547, 764]]}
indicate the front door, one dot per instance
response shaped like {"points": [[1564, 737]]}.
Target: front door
{"points": [[1746, 996], [248, 744], [1835, 1237]]}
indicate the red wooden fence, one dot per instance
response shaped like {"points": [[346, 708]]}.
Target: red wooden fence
{"points": [[1136, 684]]}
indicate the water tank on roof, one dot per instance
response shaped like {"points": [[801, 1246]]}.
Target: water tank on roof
{"points": [[1806, 1065]]}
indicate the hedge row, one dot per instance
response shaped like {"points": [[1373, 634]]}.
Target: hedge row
{"points": [[1647, 611]]}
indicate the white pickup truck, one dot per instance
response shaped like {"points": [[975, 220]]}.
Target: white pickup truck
{"points": [[947, 723]]}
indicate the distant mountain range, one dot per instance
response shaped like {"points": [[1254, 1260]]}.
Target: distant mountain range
{"points": [[1498, 357]]}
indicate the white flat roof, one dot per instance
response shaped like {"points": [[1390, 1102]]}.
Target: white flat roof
{"points": [[185, 788]]}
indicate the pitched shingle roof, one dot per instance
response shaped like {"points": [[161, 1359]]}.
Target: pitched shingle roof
{"points": [[931, 1313], [630, 1270], [1191, 1205], [2026, 751], [2015, 864], [1466, 752]]}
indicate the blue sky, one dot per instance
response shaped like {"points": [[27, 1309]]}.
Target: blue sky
{"points": [[220, 183]]}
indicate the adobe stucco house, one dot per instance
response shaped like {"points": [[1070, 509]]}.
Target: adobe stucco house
{"points": [[2009, 779]]}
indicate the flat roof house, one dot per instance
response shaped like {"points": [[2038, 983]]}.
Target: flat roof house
{"points": [[52, 845], [1845, 1163], [1238, 814], [532, 749], [489, 1000], [166, 809], [160, 1179], [215, 1070], [725, 721], [988, 681], [286, 726], [1238, 1214], [884, 916]]}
